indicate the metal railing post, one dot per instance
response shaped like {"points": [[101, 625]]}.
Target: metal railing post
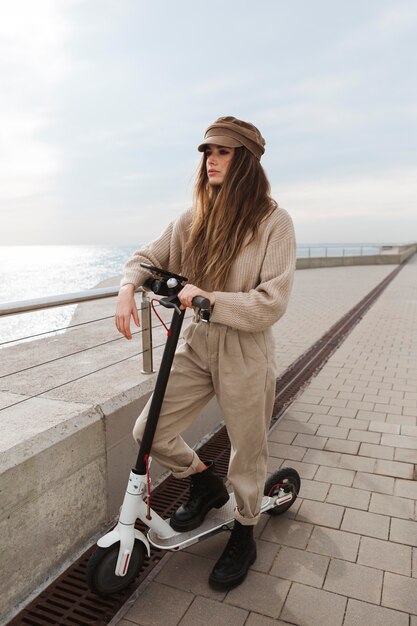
{"points": [[146, 323]]}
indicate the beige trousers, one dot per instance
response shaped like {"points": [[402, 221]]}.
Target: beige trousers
{"points": [[239, 367]]}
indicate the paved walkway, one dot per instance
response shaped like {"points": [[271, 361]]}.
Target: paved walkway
{"points": [[346, 552]]}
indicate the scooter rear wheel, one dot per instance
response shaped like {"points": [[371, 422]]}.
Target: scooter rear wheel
{"points": [[101, 578], [286, 479]]}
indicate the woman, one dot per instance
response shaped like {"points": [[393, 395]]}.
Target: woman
{"points": [[237, 248]]}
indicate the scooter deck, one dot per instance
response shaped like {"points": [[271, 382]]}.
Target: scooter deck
{"points": [[214, 521]]}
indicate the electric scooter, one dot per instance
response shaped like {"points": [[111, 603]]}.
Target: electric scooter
{"points": [[120, 554]]}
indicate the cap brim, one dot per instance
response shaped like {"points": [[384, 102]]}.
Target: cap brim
{"points": [[220, 140]]}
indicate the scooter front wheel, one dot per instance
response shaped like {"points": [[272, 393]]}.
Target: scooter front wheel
{"points": [[101, 577], [285, 480]]}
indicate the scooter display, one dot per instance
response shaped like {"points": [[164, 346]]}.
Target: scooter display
{"points": [[121, 552]]}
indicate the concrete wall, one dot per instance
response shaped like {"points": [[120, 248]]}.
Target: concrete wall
{"points": [[60, 493]]}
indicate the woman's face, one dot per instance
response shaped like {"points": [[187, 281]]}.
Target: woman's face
{"points": [[218, 162]]}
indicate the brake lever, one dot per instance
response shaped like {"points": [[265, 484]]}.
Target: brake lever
{"points": [[171, 302]]}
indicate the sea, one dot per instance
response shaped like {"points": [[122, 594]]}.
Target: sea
{"points": [[30, 272]]}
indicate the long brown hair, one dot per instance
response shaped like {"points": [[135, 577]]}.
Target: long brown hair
{"points": [[226, 218]]}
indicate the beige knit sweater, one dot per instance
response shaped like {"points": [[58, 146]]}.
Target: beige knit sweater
{"points": [[260, 278]]}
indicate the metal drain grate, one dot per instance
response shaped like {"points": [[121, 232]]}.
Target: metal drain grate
{"points": [[68, 601]]}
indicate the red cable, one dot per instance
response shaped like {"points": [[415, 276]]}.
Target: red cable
{"points": [[161, 320]]}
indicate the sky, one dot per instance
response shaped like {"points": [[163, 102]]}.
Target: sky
{"points": [[103, 104]]}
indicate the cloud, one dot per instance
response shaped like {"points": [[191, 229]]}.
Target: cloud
{"points": [[33, 63], [390, 24], [387, 193]]}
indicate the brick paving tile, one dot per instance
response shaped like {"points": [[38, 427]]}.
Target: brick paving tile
{"points": [[346, 496], [411, 431], [399, 441], [376, 451], [260, 593], [406, 420], [400, 593], [314, 490], [379, 385], [320, 457], [310, 398], [405, 455], [406, 489], [327, 420], [323, 393], [320, 513], [335, 543], [335, 476], [300, 566], [310, 408], [379, 484], [281, 436], [287, 532], [306, 470], [335, 402], [189, 572], [393, 506], [414, 563], [296, 427], [372, 416], [392, 408], [255, 619], [353, 395], [394, 468], [358, 463], [361, 404], [355, 581], [369, 524], [364, 436], [219, 612], [310, 441], [339, 412], [306, 606], [342, 445], [152, 606], [384, 555], [383, 427], [360, 613], [413, 621], [347, 422], [286, 452], [403, 531], [297, 416], [341, 387]]}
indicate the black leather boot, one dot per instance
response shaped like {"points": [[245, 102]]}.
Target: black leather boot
{"points": [[238, 555], [207, 491]]}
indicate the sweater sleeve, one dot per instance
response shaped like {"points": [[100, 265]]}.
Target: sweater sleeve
{"points": [[164, 252], [261, 307]]}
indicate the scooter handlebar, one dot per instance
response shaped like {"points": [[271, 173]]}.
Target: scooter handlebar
{"points": [[201, 303]]}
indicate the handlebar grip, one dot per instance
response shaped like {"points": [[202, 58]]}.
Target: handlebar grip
{"points": [[201, 303]]}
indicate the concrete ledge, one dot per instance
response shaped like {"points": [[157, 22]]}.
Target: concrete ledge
{"points": [[393, 256]]}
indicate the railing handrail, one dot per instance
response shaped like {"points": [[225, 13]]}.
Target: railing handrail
{"points": [[26, 306]]}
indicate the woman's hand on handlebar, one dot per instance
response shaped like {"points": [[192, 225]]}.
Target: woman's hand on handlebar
{"points": [[125, 309], [189, 292]]}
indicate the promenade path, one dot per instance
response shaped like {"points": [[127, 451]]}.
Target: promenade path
{"points": [[346, 552]]}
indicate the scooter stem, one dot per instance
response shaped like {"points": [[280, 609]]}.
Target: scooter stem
{"points": [[159, 392]]}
